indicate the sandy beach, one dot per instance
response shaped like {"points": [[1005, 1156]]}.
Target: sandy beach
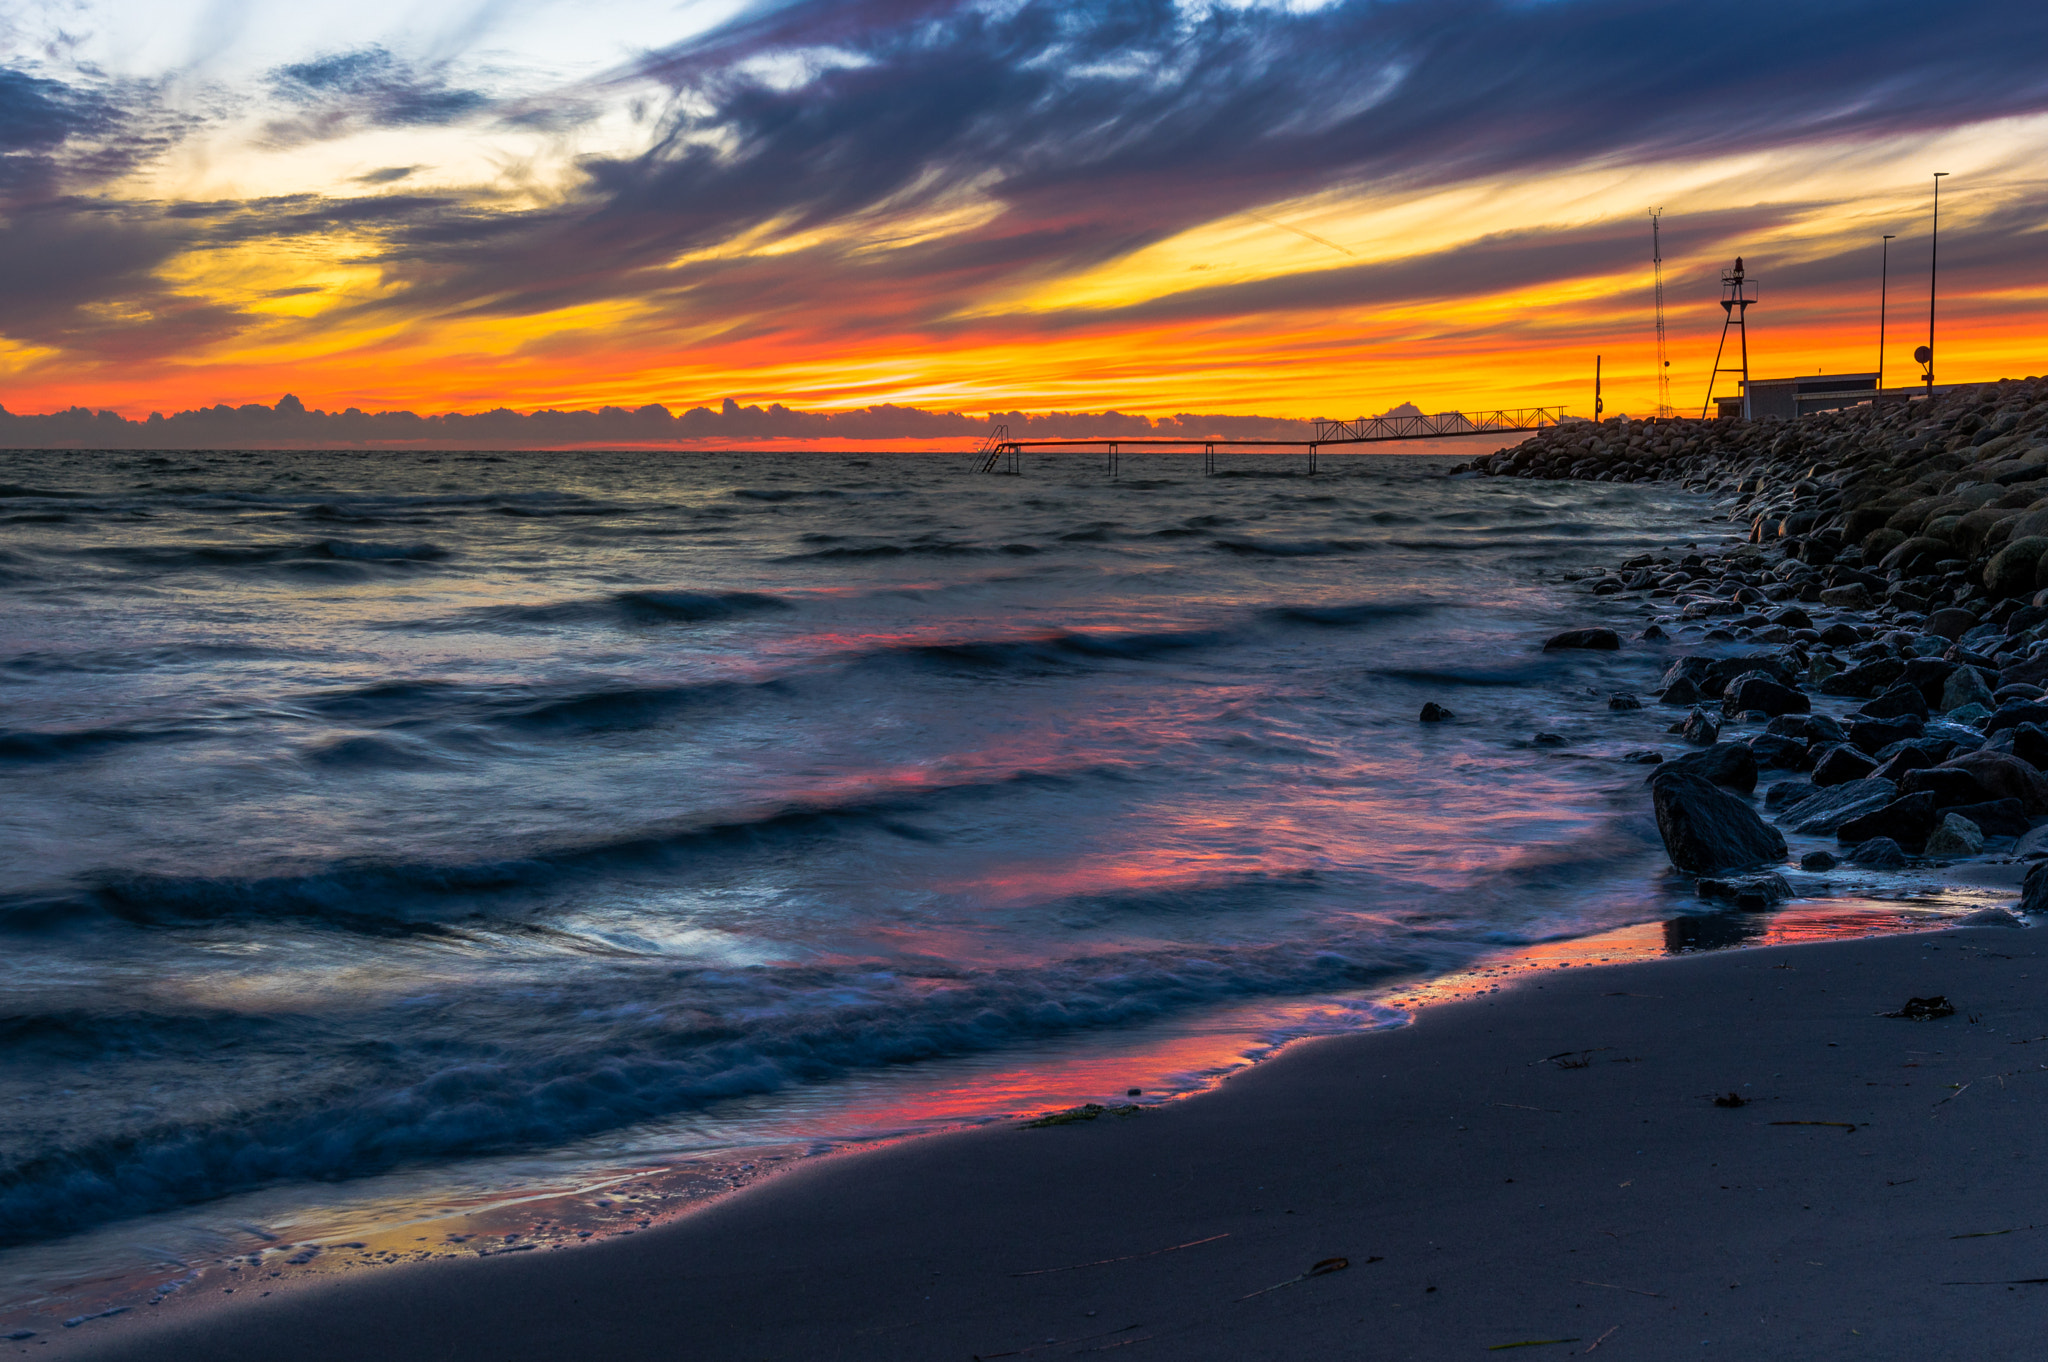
{"points": [[1545, 1166]]}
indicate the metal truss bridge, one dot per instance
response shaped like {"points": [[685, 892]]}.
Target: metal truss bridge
{"points": [[1001, 454]]}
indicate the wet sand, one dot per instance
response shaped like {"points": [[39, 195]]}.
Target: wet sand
{"points": [[1544, 1163]]}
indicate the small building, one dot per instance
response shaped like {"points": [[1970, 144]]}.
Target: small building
{"points": [[1801, 396]]}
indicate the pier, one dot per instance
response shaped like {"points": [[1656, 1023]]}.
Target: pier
{"points": [[1001, 454]]}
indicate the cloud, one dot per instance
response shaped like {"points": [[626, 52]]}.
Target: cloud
{"points": [[368, 87], [387, 175]]}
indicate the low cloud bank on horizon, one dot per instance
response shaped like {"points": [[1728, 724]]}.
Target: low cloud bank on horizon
{"points": [[292, 425], [1051, 204]]}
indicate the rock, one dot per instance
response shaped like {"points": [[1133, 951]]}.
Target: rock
{"points": [[1965, 686], [1818, 860], [1807, 728], [1969, 714], [1866, 679], [1787, 754], [1987, 917], [2011, 570], [2016, 690], [1549, 740], [1642, 756], [1948, 785], [1786, 793], [1690, 668], [1955, 836], [2013, 715], [1728, 764], [2006, 777], [1755, 691], [1853, 596], [1826, 811], [1904, 758], [1874, 735], [2030, 745], [1995, 818], [1603, 640], [1879, 853], [1840, 636], [1682, 692], [1906, 821], [2034, 890], [1792, 617], [1700, 728], [1434, 713], [1621, 700], [1706, 830], [2034, 843], [1841, 763], [1654, 634], [1951, 623], [1901, 700], [1747, 891], [2032, 671]]}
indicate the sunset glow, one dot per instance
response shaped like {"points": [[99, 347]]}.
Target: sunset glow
{"points": [[1283, 210]]}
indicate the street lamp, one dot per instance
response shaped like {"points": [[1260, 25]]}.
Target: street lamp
{"points": [[1884, 260], [1925, 354]]}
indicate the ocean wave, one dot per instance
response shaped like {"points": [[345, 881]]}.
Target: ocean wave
{"points": [[1348, 616], [12, 490], [400, 898], [701, 1037], [1050, 651], [916, 549], [33, 745], [651, 606], [172, 557], [1285, 548]]}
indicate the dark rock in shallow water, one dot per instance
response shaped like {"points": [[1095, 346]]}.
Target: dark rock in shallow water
{"points": [[1818, 860], [1841, 763], [1747, 891], [1807, 728], [1784, 753], [1434, 713], [2034, 890], [1779, 667], [1995, 818], [1549, 740], [1786, 793], [1906, 821], [1728, 764], [1621, 699], [1792, 617], [1951, 623], [1900, 701], [1700, 728], [2007, 777], [1874, 735], [1604, 640], [1706, 830], [1682, 692], [1840, 636], [1654, 634], [1865, 680], [1643, 756], [1836, 805], [1879, 853], [1947, 784], [1763, 694], [1909, 757]]}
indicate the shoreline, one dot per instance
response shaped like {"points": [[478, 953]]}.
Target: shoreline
{"points": [[1710, 612], [1545, 1163]]}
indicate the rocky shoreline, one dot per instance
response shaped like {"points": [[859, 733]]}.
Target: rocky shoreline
{"points": [[1895, 570]]}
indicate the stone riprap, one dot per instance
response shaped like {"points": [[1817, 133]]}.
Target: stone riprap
{"points": [[1884, 596]]}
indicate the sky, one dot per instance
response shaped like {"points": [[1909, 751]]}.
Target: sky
{"points": [[1289, 209]]}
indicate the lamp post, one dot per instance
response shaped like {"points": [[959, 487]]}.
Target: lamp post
{"points": [[1933, 278], [1883, 277]]}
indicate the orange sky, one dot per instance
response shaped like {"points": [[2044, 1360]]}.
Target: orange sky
{"points": [[381, 230]]}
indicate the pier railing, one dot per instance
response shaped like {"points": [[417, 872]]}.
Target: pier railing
{"points": [[1000, 453]]}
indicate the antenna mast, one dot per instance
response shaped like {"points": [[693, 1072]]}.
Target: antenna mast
{"points": [[1663, 363]]}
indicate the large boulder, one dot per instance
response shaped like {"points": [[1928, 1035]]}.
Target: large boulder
{"points": [[1874, 735], [1728, 764], [1826, 811], [1965, 686], [1708, 831], [2012, 716], [1787, 754], [1951, 623], [1906, 821], [2011, 570], [1841, 763], [1997, 818], [1866, 679], [2034, 890], [1898, 702], [1949, 785], [1764, 694], [2006, 777], [1602, 640]]}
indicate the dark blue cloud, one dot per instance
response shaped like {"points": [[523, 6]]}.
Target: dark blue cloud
{"points": [[371, 86]]}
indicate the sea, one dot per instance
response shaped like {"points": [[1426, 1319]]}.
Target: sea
{"points": [[388, 839]]}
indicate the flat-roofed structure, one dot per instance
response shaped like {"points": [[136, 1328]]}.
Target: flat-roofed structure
{"points": [[1805, 394]]}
